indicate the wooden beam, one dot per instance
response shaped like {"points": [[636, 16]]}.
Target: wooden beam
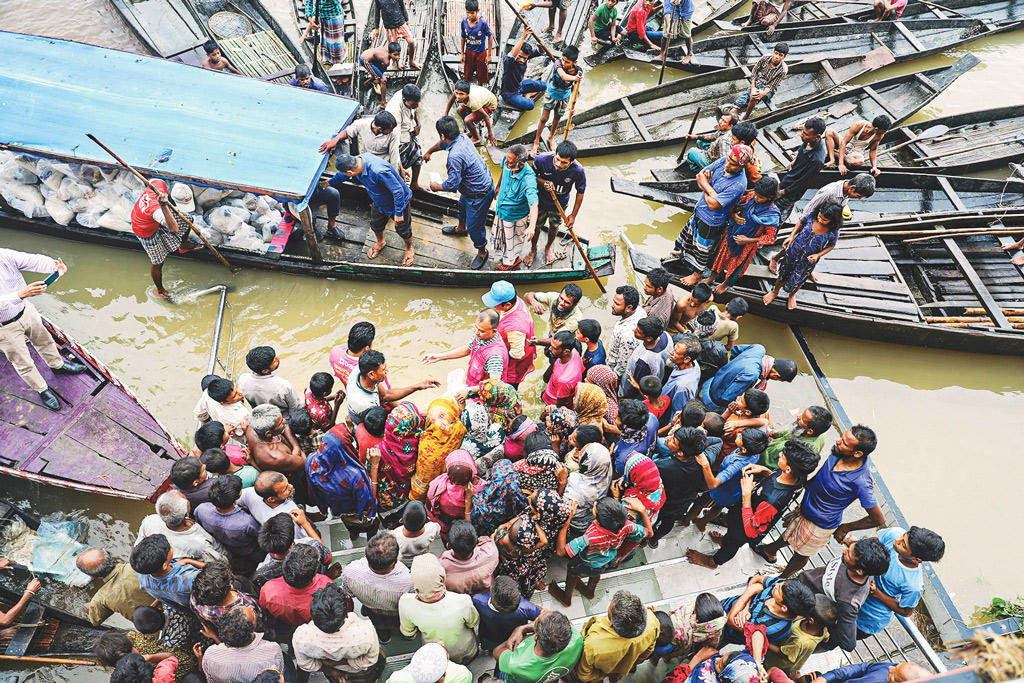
{"points": [[974, 281], [951, 193], [627, 106], [757, 44], [927, 82], [870, 92], [743, 67], [305, 217], [911, 38], [830, 72]]}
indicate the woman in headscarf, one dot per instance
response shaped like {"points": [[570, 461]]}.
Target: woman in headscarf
{"points": [[590, 482], [447, 498], [437, 615], [337, 482], [398, 454], [590, 405], [520, 428], [605, 379], [559, 423], [526, 545], [500, 500], [443, 434], [641, 481], [484, 440], [693, 626], [501, 400], [540, 469]]}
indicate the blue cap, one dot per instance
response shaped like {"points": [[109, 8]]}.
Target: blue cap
{"points": [[501, 292]]}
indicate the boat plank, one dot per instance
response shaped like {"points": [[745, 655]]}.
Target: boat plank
{"points": [[31, 620], [841, 281], [627, 106], [16, 440], [872, 253], [872, 304], [911, 38], [846, 267], [980, 289]]}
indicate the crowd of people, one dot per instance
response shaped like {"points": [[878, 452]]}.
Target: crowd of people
{"points": [[463, 503]]}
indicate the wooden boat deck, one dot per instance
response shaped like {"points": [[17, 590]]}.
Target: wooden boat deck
{"points": [[421, 23], [102, 440], [45, 631], [341, 74], [450, 14], [167, 28], [854, 12]]}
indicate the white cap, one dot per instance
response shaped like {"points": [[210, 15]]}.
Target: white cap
{"points": [[183, 198], [429, 663]]}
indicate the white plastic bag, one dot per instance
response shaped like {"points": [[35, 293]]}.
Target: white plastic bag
{"points": [[30, 209], [113, 222], [48, 175], [59, 211], [207, 197], [15, 172], [26, 193], [228, 219], [89, 219], [80, 204], [73, 189]]}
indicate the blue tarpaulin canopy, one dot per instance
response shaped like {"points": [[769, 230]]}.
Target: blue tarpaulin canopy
{"points": [[165, 118]]}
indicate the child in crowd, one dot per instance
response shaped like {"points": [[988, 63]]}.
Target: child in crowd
{"points": [[262, 385], [588, 333], [564, 77], [217, 464], [656, 402], [688, 628], [476, 56], [476, 104], [189, 476], [310, 439], [216, 61], [221, 401], [520, 428], [213, 435], [370, 432], [502, 610], [803, 639], [724, 488], [318, 398], [773, 603], [750, 409], [688, 307], [603, 25], [376, 61], [416, 533]]}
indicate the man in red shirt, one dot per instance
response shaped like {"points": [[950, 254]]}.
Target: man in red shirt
{"points": [[636, 26], [160, 238], [288, 597]]}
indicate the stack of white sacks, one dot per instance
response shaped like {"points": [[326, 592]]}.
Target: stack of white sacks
{"points": [[97, 197]]}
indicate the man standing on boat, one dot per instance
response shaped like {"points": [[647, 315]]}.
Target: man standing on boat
{"points": [[389, 195], [20, 319], [159, 230]]}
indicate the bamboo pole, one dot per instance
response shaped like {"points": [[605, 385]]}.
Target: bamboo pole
{"points": [[1004, 141], [526, 25], [572, 110], [976, 233], [693, 124], [664, 49], [46, 660], [967, 319], [583, 252]]}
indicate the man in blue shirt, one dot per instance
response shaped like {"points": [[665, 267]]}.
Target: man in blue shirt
{"points": [[844, 478], [469, 175], [722, 184], [304, 78], [515, 212], [390, 198], [515, 87], [750, 368], [874, 672], [557, 172], [682, 383]]}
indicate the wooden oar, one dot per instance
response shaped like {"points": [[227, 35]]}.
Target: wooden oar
{"points": [[583, 252], [933, 132], [572, 109], [179, 214], [46, 660], [943, 234], [664, 50], [1018, 138], [693, 123], [526, 25]]}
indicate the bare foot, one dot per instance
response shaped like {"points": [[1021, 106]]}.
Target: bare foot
{"points": [[542, 586], [690, 280], [700, 523], [708, 280], [558, 37], [528, 259], [769, 297], [1017, 260], [558, 594], [549, 29], [587, 589], [163, 294], [551, 142], [791, 302], [419, 188], [814, 278], [414, 65], [700, 559], [773, 266], [410, 254], [533, 152], [686, 59], [552, 254], [763, 554], [716, 537], [1011, 247], [375, 250], [720, 289]]}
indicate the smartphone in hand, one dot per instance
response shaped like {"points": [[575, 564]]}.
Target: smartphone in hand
{"points": [[51, 279]]}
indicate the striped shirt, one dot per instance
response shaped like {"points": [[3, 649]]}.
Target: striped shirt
{"points": [[495, 364], [768, 75], [175, 586], [377, 592], [223, 664], [12, 281]]}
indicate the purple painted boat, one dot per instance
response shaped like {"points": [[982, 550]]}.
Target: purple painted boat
{"points": [[103, 440]]}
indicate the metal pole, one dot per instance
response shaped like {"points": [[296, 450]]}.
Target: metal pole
{"points": [[922, 644], [211, 366]]}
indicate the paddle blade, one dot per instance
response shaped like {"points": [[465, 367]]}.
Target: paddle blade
{"points": [[933, 132]]}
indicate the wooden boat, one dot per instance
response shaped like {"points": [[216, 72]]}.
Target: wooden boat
{"points": [[168, 29], [662, 115], [975, 141], [104, 440], [344, 75], [906, 39], [450, 14], [421, 23], [900, 97], [896, 194], [705, 15], [804, 14], [960, 293], [46, 631]]}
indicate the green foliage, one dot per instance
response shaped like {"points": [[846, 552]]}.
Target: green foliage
{"points": [[1000, 609]]}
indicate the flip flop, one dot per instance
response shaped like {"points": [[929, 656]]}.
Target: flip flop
{"points": [[374, 251], [764, 556]]}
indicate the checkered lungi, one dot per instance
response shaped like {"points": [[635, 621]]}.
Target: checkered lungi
{"points": [[163, 242], [805, 537]]}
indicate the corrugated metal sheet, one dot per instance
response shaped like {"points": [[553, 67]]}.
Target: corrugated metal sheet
{"points": [[165, 118]]}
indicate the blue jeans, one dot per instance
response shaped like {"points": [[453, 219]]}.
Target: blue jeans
{"points": [[473, 211], [329, 197], [653, 36], [519, 99], [744, 99]]}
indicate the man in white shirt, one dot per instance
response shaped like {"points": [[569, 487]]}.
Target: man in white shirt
{"points": [[625, 305], [377, 136], [261, 385], [187, 538], [404, 106]]}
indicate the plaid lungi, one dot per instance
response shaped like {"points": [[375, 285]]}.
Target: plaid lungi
{"points": [[163, 242], [332, 39], [410, 153], [508, 238], [805, 537], [695, 242]]}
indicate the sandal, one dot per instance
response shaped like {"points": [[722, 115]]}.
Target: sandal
{"points": [[502, 266]]}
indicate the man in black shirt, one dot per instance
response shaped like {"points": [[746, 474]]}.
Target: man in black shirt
{"points": [[682, 476], [805, 167]]}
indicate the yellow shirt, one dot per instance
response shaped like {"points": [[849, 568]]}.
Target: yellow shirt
{"points": [[606, 653], [480, 97], [796, 649]]}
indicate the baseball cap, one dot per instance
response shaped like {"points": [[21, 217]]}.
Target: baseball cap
{"points": [[501, 292], [183, 198]]}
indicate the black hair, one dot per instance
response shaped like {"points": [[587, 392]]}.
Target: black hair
{"points": [[212, 584], [198, 677], [225, 490], [329, 608], [382, 551], [265, 676], [651, 327], [630, 297], [866, 439], [707, 608], [754, 440], [693, 413], [321, 383], [591, 330], [411, 93], [701, 292], [738, 306], [766, 186], [472, 6], [785, 367], [209, 46], [300, 422], [650, 386], [370, 360], [553, 633], [185, 471], [536, 441], [462, 538], [610, 514], [706, 317], [374, 420], [781, 47], [870, 556], [692, 441], [925, 545], [216, 461], [361, 335], [447, 127], [816, 125], [745, 132], [300, 566], [825, 611], [566, 339], [148, 620], [385, 120], [571, 52], [462, 85], [821, 419], [567, 150], [149, 555], [505, 594], [628, 614], [277, 534], [573, 291], [666, 629], [757, 401], [394, 46], [800, 456], [346, 162], [132, 668], [260, 358], [415, 516], [881, 122], [234, 628], [588, 434], [659, 278], [207, 379], [515, 424], [210, 435], [797, 597], [714, 424], [633, 413], [220, 389], [111, 646]]}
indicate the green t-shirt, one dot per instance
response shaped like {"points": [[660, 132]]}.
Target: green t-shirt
{"points": [[770, 457], [522, 665], [604, 16], [247, 474]]}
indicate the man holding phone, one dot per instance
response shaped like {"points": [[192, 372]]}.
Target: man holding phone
{"points": [[20, 319]]}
